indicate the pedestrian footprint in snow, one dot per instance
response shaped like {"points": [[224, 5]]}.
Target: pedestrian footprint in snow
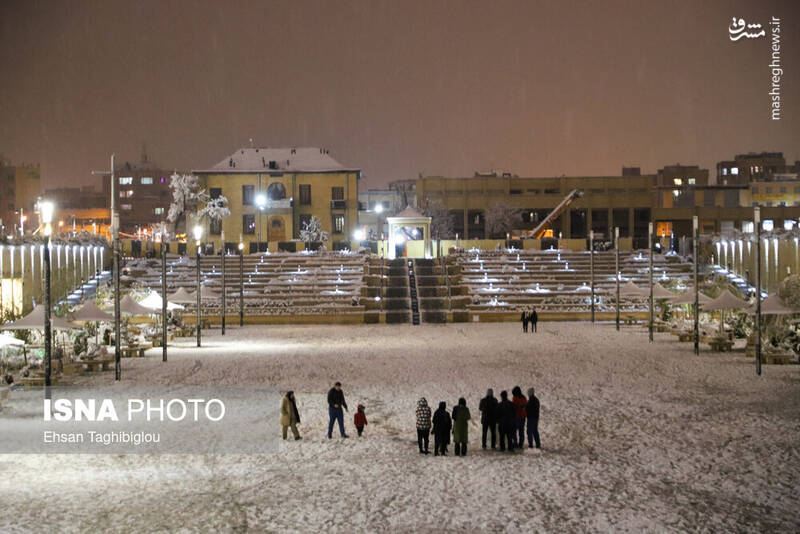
{"points": [[441, 430], [335, 404], [290, 417], [360, 419], [460, 430]]}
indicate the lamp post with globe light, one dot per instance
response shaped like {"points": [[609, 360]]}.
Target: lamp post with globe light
{"points": [[46, 209], [198, 233]]}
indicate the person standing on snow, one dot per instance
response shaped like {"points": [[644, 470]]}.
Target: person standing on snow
{"points": [[532, 411], [534, 319], [460, 430], [423, 414], [506, 417], [519, 401], [488, 409], [360, 419], [290, 417], [441, 430], [335, 404], [524, 319]]}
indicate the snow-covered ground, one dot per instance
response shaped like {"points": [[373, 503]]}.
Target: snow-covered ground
{"points": [[637, 437]]}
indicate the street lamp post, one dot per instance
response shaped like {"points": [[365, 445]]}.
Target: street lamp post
{"points": [[650, 246], [224, 302], [241, 281], [46, 212], [591, 267], [163, 297], [198, 233], [616, 268], [757, 224], [695, 256]]}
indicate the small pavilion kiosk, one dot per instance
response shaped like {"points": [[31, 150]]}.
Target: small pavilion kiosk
{"points": [[409, 225]]}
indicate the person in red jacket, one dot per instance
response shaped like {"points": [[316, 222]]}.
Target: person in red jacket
{"points": [[520, 402], [360, 419]]}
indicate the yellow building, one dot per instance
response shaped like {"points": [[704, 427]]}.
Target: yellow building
{"points": [[273, 191]]}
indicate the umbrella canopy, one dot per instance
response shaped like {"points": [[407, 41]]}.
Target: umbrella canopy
{"points": [[128, 306], [208, 293], [661, 292], [632, 290], [90, 312], [182, 296], [725, 301], [687, 297], [154, 302], [35, 320], [772, 305], [10, 341]]}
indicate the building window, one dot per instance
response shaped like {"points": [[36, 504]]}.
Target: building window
{"points": [[692, 181], [551, 191], [158, 211], [769, 190], [304, 220], [215, 226], [126, 180], [163, 179], [735, 170], [248, 192], [126, 207], [783, 189], [126, 193], [515, 191], [677, 181], [337, 193], [338, 223], [248, 223], [147, 180], [386, 205], [724, 171], [215, 192], [305, 194]]}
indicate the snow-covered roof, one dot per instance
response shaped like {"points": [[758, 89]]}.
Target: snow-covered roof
{"points": [[299, 159]]}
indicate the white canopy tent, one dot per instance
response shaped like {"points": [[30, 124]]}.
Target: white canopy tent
{"points": [[154, 302], [35, 320]]}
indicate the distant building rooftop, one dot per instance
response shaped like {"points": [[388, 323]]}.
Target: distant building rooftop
{"points": [[300, 159]]}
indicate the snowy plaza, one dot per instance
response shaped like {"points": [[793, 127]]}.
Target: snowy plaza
{"points": [[637, 437]]}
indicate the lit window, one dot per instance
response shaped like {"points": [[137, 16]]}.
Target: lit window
{"points": [[735, 170], [126, 180], [788, 224], [747, 227], [724, 171], [147, 180], [677, 181], [163, 180], [692, 181], [158, 211], [126, 193], [338, 224], [675, 192], [767, 225], [126, 207]]}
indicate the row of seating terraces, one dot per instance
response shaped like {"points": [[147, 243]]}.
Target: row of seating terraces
{"points": [[559, 280], [277, 283], [387, 290]]}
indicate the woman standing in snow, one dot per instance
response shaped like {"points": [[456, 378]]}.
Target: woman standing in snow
{"points": [[441, 430], [460, 433], [290, 417], [423, 425]]}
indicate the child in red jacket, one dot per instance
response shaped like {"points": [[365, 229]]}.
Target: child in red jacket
{"points": [[360, 419]]}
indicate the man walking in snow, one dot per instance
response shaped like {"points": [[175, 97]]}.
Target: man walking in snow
{"points": [[335, 404]]}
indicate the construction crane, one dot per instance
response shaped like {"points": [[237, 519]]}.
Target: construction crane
{"points": [[539, 231]]}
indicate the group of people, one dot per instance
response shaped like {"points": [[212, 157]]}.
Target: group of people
{"points": [[529, 317], [510, 420], [505, 417]]}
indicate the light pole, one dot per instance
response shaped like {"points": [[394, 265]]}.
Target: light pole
{"points": [[46, 211], [591, 267], [757, 223], [222, 256], [241, 281], [198, 233], [695, 255], [616, 268], [261, 201], [163, 239], [650, 246]]}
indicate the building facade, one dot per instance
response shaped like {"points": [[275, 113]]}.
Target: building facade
{"points": [[374, 206], [144, 194], [273, 192], [20, 188]]}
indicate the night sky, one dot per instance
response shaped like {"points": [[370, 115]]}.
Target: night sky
{"points": [[396, 88]]}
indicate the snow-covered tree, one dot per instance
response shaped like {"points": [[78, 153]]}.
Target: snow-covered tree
{"points": [[159, 228], [501, 218], [186, 197], [312, 231], [215, 209], [441, 219], [789, 291]]}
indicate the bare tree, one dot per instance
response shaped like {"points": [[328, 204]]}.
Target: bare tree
{"points": [[441, 219], [501, 218]]}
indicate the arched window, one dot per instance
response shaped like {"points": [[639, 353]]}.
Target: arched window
{"points": [[276, 191]]}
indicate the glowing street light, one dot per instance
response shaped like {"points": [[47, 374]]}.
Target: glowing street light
{"points": [[358, 235]]}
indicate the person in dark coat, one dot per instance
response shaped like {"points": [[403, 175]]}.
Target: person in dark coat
{"points": [[442, 425], [534, 319], [488, 408], [532, 411], [506, 418], [519, 401], [360, 419], [461, 417], [524, 319], [423, 414], [335, 404]]}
